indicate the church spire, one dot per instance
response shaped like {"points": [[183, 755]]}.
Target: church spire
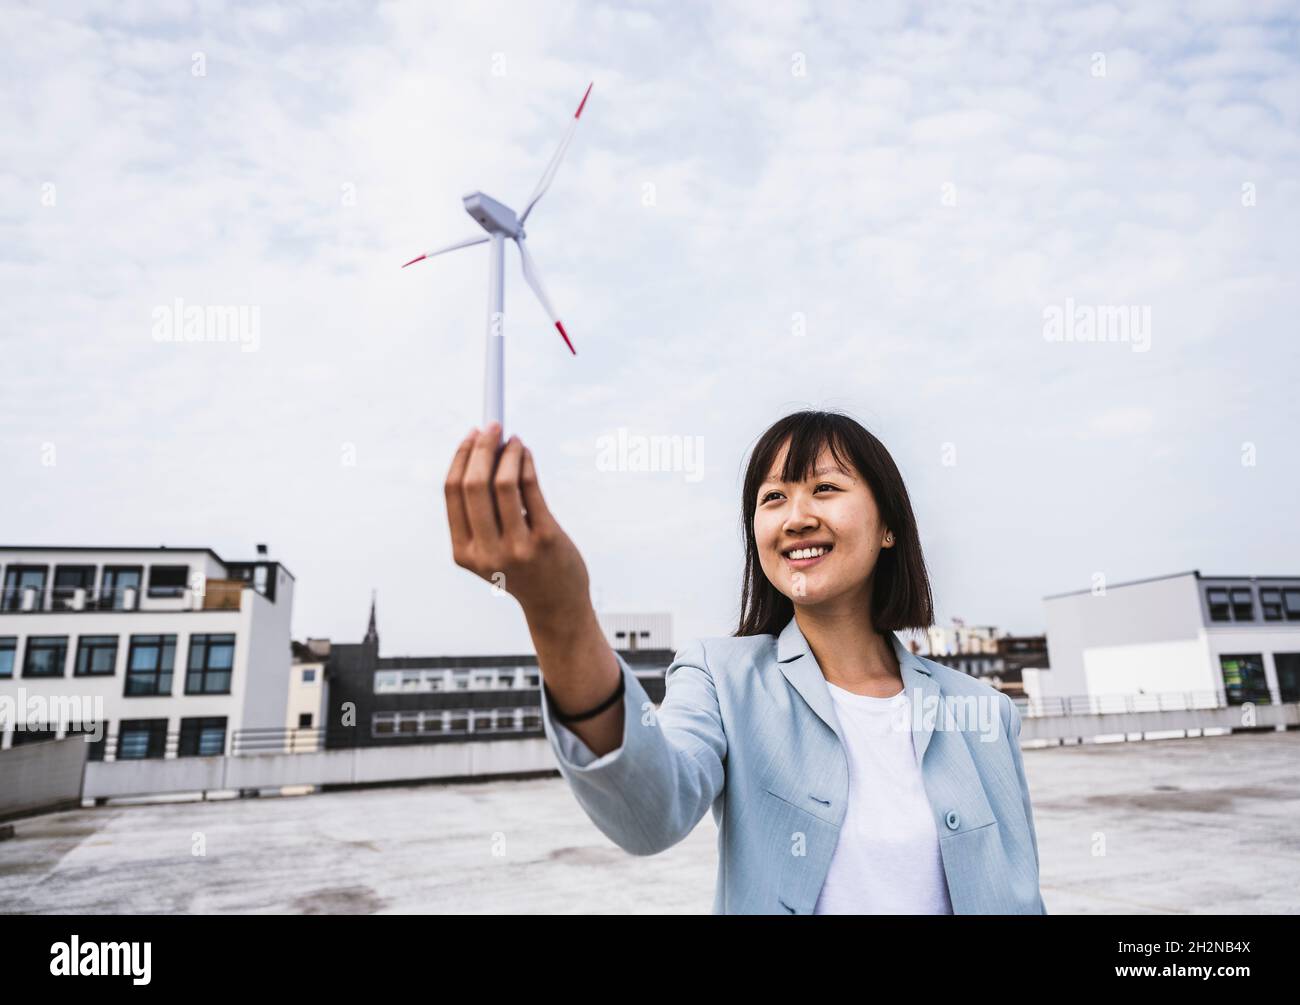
{"points": [[372, 632]]}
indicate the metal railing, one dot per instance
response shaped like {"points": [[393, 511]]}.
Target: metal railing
{"points": [[217, 594], [278, 740], [1118, 704]]}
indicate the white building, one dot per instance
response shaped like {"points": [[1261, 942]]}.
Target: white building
{"points": [[637, 631], [1237, 637], [172, 650]]}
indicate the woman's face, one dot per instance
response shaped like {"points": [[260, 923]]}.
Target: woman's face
{"points": [[833, 513]]}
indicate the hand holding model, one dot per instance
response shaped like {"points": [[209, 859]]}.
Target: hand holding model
{"points": [[502, 530]]}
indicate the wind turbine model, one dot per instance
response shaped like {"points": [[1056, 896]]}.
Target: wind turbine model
{"points": [[500, 222]]}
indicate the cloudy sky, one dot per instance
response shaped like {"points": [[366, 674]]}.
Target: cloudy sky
{"points": [[870, 207]]}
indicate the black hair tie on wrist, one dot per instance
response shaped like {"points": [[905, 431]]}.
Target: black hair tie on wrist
{"points": [[561, 717]]}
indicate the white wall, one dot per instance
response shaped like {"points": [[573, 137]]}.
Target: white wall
{"points": [[1152, 668], [1161, 610]]}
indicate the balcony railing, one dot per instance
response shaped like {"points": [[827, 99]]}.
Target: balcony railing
{"points": [[278, 740], [216, 595]]}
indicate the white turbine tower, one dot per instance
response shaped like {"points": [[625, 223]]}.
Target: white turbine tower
{"points": [[500, 223]]}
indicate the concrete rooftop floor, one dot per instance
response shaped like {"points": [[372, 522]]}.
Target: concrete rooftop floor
{"points": [[1203, 826]]}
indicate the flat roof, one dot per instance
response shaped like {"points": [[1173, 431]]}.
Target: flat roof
{"points": [[154, 547], [1172, 575]]}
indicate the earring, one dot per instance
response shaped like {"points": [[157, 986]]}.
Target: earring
{"points": [[889, 538]]}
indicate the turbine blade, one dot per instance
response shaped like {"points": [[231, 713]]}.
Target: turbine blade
{"points": [[552, 167], [534, 279], [451, 247]]}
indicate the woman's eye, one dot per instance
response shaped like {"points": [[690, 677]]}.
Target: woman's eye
{"points": [[769, 496], [826, 485]]}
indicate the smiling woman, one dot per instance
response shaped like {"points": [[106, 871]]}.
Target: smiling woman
{"points": [[811, 732]]}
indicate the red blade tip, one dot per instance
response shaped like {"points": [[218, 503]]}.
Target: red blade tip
{"points": [[584, 100], [565, 336], [414, 260]]}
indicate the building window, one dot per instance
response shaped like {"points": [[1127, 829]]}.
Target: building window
{"points": [[168, 580], [18, 580], [1244, 680], [8, 649], [1288, 675], [96, 656], [210, 663], [25, 734], [1270, 601], [1291, 603], [138, 739], [47, 656], [117, 580], [68, 579], [1243, 604], [304, 720], [203, 737], [309, 676], [149, 666], [1217, 598]]}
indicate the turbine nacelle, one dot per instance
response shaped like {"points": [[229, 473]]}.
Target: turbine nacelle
{"points": [[494, 217]]}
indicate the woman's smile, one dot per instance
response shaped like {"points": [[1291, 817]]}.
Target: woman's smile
{"points": [[805, 556]]}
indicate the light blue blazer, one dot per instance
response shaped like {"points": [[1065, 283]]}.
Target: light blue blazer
{"points": [[747, 726]]}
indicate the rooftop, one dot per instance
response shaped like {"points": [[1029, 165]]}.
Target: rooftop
{"points": [[526, 847]]}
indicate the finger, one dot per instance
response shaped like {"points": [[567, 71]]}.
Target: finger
{"points": [[457, 519], [538, 513], [478, 486], [506, 484]]}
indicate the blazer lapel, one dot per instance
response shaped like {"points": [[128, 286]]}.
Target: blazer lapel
{"points": [[795, 658]]}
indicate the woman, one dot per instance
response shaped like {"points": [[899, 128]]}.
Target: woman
{"points": [[846, 774]]}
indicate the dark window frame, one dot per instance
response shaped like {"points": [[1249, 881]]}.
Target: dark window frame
{"points": [[1253, 687], [12, 598], [90, 644], [27, 655], [109, 589], [1270, 598], [1219, 611], [1234, 601], [9, 644], [193, 729], [199, 670], [156, 738], [169, 589], [61, 595], [166, 647]]}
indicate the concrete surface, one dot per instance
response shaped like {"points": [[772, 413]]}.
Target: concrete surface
{"points": [[1209, 825]]}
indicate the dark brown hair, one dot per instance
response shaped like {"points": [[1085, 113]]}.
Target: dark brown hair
{"points": [[900, 593]]}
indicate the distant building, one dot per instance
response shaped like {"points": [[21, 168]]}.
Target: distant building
{"points": [[177, 648], [630, 632], [997, 658], [307, 691], [427, 699], [1234, 636]]}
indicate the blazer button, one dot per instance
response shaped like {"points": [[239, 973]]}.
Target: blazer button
{"points": [[952, 820]]}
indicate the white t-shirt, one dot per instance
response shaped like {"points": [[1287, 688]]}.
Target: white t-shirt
{"points": [[887, 860]]}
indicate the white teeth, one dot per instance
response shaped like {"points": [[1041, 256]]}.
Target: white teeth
{"points": [[808, 552]]}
